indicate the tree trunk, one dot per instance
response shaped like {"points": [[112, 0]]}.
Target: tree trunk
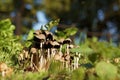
{"points": [[18, 23]]}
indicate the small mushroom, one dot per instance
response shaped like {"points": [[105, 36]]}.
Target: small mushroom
{"points": [[23, 56], [20, 58], [3, 67], [9, 71], [39, 40], [33, 51], [61, 43], [5, 70], [68, 42], [25, 52], [67, 60], [55, 46]]}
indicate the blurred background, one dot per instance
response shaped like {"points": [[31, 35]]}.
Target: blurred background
{"points": [[99, 18]]}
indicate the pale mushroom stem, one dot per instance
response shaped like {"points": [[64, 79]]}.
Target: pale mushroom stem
{"points": [[60, 51], [74, 62], [41, 62], [67, 63], [3, 73], [77, 62], [31, 64], [52, 52], [41, 45], [40, 50], [48, 53], [68, 49]]}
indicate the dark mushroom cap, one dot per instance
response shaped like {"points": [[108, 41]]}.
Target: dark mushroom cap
{"points": [[39, 38], [51, 44], [37, 32], [67, 41], [47, 44], [55, 44], [49, 35]]}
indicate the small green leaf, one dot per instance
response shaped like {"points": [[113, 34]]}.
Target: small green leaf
{"points": [[70, 31], [51, 24], [30, 35]]}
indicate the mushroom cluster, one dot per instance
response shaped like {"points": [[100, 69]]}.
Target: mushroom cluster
{"points": [[45, 48]]}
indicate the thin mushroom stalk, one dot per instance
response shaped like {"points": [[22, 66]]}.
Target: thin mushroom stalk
{"points": [[48, 53], [31, 61], [77, 59], [41, 62], [33, 52], [53, 52], [41, 56], [67, 48], [60, 51], [74, 62], [67, 42]]}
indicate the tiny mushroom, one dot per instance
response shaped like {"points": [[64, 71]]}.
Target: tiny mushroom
{"points": [[67, 60], [5, 70], [23, 55], [61, 43], [68, 42], [32, 51], [55, 46], [25, 52]]}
